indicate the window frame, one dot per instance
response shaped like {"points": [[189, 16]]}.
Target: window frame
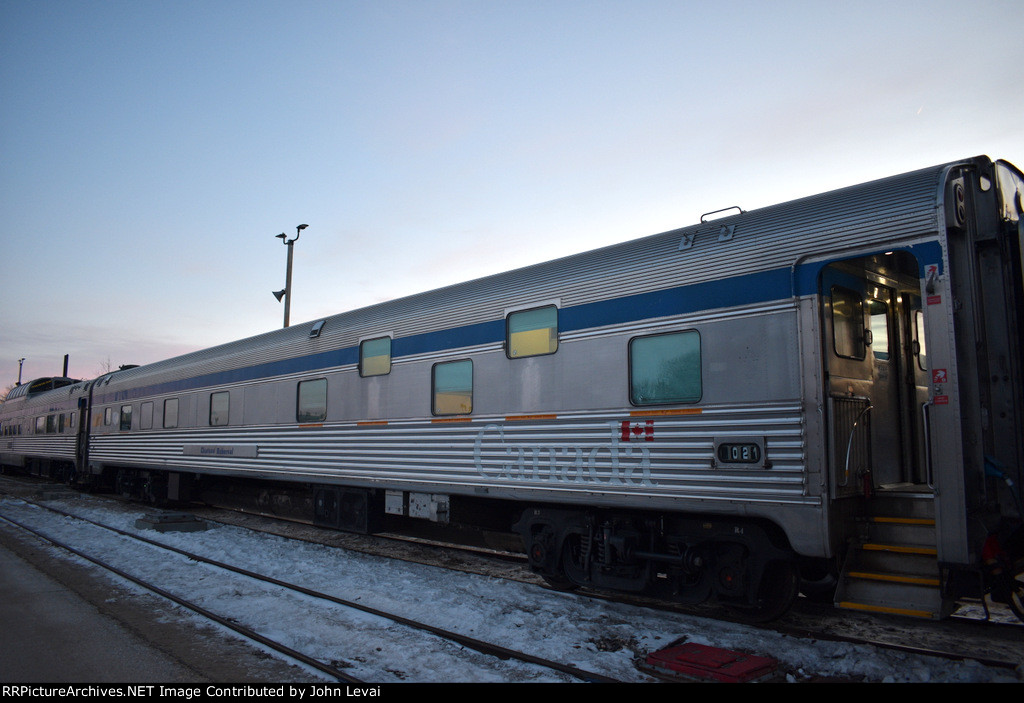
{"points": [[631, 358], [226, 411], [298, 402], [859, 342], [146, 415], [434, 389], [509, 314], [362, 367], [163, 418]]}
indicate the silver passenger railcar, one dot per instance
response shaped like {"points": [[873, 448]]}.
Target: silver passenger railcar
{"points": [[725, 410]]}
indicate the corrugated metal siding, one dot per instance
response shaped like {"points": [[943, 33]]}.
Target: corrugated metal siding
{"points": [[574, 454]]}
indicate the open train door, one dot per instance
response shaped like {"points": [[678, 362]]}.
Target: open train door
{"points": [[878, 370], [922, 356]]}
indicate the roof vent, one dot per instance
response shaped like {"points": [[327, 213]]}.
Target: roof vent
{"points": [[314, 332]]}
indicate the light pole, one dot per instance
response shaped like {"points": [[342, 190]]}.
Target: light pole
{"points": [[287, 292], [20, 362]]}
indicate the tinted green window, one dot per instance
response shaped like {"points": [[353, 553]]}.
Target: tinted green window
{"points": [[533, 332], [375, 357], [219, 408], [665, 368], [453, 388], [312, 403]]}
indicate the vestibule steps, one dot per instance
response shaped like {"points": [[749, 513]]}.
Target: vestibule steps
{"points": [[893, 567]]}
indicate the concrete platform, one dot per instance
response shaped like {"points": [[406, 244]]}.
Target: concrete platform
{"points": [[50, 635]]}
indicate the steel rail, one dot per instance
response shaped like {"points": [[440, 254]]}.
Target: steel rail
{"points": [[240, 629], [464, 640]]}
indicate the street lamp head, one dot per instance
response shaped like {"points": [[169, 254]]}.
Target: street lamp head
{"points": [[301, 227], [281, 236]]}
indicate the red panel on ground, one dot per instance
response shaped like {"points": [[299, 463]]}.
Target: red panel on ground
{"points": [[711, 663]]}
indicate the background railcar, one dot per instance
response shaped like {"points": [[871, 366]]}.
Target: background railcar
{"points": [[718, 410], [39, 426]]}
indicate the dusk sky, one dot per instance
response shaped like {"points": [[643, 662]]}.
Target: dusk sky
{"points": [[151, 151]]}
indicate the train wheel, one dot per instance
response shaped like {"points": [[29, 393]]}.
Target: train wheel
{"points": [[779, 587], [546, 562]]}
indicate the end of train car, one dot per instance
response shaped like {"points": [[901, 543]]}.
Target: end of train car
{"points": [[824, 396]]}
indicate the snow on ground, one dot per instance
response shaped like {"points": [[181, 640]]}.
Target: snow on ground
{"points": [[591, 634]]}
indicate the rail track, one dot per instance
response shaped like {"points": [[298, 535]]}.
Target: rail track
{"points": [[340, 672], [808, 623], [952, 639]]}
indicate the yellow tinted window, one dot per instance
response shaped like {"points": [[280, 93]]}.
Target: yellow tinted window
{"points": [[533, 332], [453, 388], [375, 357]]}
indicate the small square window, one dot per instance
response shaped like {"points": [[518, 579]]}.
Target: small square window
{"points": [[375, 357], [532, 332], [312, 401], [219, 408], [170, 413], [453, 388], [665, 368]]}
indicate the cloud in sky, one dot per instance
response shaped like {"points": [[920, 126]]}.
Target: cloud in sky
{"points": [[151, 151]]}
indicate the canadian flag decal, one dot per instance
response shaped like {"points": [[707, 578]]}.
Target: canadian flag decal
{"points": [[636, 431]]}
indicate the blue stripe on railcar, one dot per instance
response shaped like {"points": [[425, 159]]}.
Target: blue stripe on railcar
{"points": [[749, 289]]}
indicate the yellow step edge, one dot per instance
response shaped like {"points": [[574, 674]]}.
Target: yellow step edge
{"points": [[848, 605], [925, 551], [905, 520], [895, 578]]}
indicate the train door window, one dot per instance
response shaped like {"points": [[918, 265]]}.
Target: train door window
{"points": [[312, 401], [170, 413], [847, 323], [126, 417], [532, 332], [108, 416], [60, 422], [146, 417], [219, 408], [41, 424], [878, 323], [375, 357], [452, 388], [665, 368], [51, 424], [920, 348]]}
